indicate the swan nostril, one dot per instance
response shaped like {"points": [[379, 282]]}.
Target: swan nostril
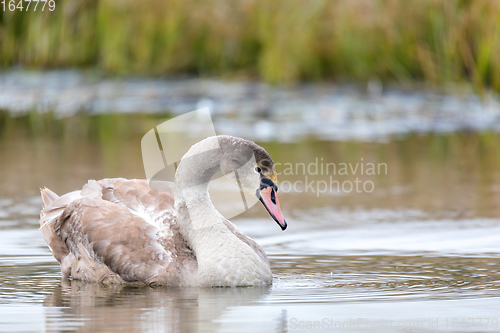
{"points": [[266, 182], [273, 197]]}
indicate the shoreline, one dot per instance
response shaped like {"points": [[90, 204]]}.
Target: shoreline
{"points": [[255, 109]]}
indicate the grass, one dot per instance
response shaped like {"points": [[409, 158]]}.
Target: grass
{"points": [[435, 41]]}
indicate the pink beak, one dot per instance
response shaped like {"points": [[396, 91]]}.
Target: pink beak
{"points": [[269, 198]]}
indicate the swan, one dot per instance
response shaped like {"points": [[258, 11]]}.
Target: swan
{"points": [[116, 231]]}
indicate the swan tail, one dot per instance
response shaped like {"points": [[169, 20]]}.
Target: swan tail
{"points": [[54, 206], [48, 196]]}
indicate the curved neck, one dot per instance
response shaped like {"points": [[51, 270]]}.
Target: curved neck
{"points": [[203, 226], [196, 169]]}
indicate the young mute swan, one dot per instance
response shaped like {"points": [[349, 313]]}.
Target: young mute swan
{"points": [[120, 231]]}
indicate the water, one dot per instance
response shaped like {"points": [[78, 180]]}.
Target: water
{"points": [[420, 252], [372, 275]]}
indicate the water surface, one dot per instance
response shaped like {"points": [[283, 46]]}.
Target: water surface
{"points": [[420, 252]]}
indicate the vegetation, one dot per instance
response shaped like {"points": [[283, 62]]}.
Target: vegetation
{"points": [[436, 41]]}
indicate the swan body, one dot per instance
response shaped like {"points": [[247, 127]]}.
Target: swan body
{"points": [[127, 231]]}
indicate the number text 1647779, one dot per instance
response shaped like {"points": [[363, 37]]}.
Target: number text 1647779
{"points": [[27, 5]]}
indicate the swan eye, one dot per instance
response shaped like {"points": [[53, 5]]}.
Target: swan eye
{"points": [[258, 169]]}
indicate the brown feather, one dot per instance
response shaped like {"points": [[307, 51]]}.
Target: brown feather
{"points": [[101, 237]]}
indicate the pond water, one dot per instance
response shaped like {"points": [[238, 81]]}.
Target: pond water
{"points": [[417, 250]]}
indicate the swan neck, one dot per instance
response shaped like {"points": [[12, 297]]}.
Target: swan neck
{"points": [[192, 201], [203, 226]]}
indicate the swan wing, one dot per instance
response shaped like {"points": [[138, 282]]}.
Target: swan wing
{"points": [[116, 225], [110, 234]]}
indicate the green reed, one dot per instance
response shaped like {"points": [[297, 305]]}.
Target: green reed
{"points": [[436, 41]]}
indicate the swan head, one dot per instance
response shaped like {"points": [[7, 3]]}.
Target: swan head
{"points": [[252, 169]]}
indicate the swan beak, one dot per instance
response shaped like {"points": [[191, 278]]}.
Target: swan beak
{"points": [[269, 199]]}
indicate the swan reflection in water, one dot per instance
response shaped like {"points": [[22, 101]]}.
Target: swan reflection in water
{"points": [[88, 307]]}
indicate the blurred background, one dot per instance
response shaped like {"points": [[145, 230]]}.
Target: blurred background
{"points": [[412, 85], [437, 42]]}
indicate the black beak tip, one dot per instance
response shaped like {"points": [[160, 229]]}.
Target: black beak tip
{"points": [[283, 227]]}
